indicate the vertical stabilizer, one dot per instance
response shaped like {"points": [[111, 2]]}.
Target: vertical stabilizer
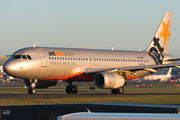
{"points": [[161, 39], [169, 72]]}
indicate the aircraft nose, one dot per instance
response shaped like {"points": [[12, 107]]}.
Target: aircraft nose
{"points": [[9, 68]]}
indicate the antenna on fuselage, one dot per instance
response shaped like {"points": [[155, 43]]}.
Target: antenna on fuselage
{"points": [[34, 45]]}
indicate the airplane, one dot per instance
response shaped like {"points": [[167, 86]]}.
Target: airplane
{"points": [[175, 78], [41, 67], [161, 78]]}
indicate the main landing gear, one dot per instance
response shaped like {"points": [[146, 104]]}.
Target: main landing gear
{"points": [[71, 88], [118, 91]]}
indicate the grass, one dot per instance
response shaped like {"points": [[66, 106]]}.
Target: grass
{"points": [[153, 99]]}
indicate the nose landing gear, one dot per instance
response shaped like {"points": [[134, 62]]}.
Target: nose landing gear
{"points": [[32, 89]]}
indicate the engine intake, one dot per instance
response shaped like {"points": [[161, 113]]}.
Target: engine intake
{"points": [[109, 80]]}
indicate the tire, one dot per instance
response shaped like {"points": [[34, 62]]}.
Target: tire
{"points": [[74, 89], [68, 89], [120, 90], [114, 91], [31, 91]]}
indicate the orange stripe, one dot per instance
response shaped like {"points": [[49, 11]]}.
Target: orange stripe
{"points": [[133, 77], [80, 76]]}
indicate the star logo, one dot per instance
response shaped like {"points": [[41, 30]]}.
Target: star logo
{"points": [[165, 32]]}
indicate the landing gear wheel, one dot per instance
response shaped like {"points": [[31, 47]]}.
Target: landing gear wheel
{"points": [[120, 90], [114, 91], [74, 89], [31, 91], [68, 89]]}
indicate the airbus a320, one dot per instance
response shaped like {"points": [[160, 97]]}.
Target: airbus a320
{"points": [[41, 67]]}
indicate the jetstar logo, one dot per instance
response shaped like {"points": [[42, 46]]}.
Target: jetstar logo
{"points": [[52, 53], [153, 52]]}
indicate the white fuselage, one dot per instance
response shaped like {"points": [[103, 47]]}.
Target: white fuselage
{"points": [[61, 63]]}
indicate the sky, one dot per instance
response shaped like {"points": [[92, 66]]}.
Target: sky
{"points": [[99, 24]]}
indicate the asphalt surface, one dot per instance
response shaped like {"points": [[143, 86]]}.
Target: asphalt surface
{"points": [[77, 95]]}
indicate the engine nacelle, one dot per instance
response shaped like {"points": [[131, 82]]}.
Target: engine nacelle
{"points": [[109, 80], [40, 83]]}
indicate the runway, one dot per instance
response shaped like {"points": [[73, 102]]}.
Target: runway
{"points": [[78, 95]]}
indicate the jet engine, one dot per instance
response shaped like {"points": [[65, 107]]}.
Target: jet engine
{"points": [[40, 83], [109, 80]]}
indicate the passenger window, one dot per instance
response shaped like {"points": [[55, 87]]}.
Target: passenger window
{"points": [[17, 57], [29, 57], [24, 57]]}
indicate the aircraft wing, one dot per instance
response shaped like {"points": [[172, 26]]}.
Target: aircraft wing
{"points": [[151, 68], [177, 59]]}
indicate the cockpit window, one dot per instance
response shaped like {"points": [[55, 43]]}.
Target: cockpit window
{"points": [[24, 57], [17, 57], [29, 57]]}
